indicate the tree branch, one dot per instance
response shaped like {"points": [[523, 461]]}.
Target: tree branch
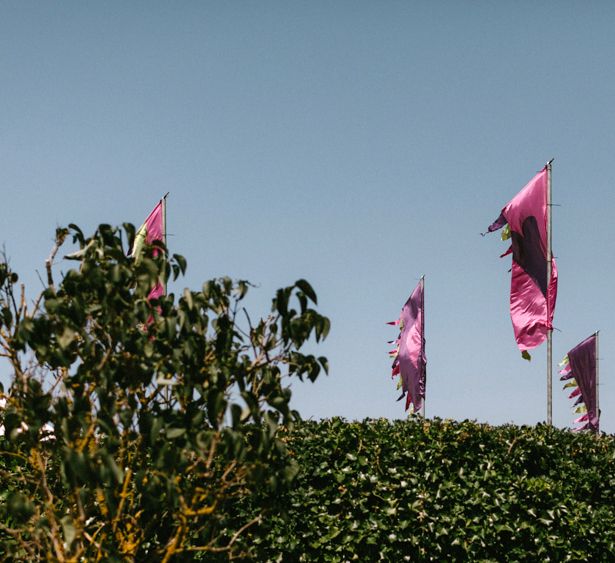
{"points": [[60, 236]]}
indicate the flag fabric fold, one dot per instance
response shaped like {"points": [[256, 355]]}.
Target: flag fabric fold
{"points": [[581, 364], [152, 230], [410, 361], [532, 296]]}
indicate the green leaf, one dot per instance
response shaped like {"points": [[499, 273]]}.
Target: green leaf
{"points": [[68, 528], [324, 363], [66, 338], [181, 262], [20, 506], [304, 286], [173, 433]]}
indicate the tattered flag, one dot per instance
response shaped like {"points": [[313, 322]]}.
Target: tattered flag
{"points": [[410, 361], [581, 364], [532, 296]]}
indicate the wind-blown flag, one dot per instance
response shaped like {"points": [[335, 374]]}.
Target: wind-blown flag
{"points": [[410, 362], [580, 367], [153, 229], [532, 298]]}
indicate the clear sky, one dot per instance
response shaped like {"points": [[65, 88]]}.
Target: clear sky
{"points": [[355, 144]]}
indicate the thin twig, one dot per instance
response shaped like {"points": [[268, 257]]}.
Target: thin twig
{"points": [[60, 238], [50, 512], [229, 545], [22, 305], [123, 496]]}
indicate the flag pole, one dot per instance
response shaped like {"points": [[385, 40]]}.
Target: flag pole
{"points": [[598, 377], [423, 339], [549, 329], [164, 228], [167, 391]]}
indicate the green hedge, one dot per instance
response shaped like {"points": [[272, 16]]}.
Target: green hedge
{"points": [[429, 491], [443, 491]]}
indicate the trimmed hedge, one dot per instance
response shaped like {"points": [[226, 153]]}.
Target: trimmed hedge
{"points": [[428, 491], [443, 491]]}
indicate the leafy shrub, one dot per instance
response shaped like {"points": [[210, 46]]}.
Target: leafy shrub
{"points": [[444, 491], [132, 426]]}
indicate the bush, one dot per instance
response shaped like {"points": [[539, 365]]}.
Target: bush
{"points": [[132, 426], [444, 491]]}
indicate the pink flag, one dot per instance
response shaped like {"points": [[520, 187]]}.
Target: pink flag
{"points": [[153, 229], [157, 291], [410, 362], [532, 299], [582, 364]]}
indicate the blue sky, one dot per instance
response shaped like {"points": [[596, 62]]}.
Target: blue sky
{"points": [[355, 144]]}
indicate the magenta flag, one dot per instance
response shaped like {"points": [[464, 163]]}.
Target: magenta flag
{"points": [[532, 299], [581, 364], [410, 361], [153, 229], [157, 291]]}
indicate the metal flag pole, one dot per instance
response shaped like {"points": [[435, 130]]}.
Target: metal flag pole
{"points": [[167, 391], [164, 229], [550, 329], [598, 377], [423, 339]]}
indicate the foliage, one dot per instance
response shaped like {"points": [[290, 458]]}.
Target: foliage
{"points": [[132, 426], [150, 431], [444, 491]]}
